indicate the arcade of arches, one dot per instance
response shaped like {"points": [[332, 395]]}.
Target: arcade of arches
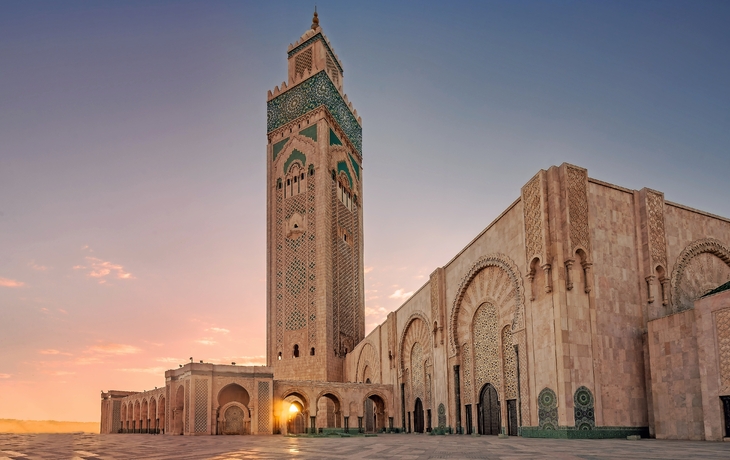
{"points": [[566, 316]]}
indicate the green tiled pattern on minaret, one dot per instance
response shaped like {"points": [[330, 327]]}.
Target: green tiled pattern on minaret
{"points": [[310, 132], [355, 166], [334, 140], [316, 91], [278, 146]]}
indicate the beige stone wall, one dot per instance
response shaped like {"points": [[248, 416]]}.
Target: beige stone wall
{"points": [[675, 375], [712, 315], [618, 362]]}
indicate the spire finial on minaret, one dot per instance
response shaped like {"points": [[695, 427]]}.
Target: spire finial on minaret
{"points": [[315, 19]]}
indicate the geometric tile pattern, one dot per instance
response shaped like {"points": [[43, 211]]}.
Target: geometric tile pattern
{"points": [[384, 446], [657, 240], [578, 208], [486, 348], [442, 416], [583, 409], [532, 209], [417, 372], [314, 92], [201, 405], [722, 324], [316, 37], [303, 62], [548, 409], [264, 408], [510, 364], [466, 395]]}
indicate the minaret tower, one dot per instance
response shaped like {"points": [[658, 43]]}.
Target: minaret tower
{"points": [[315, 296]]}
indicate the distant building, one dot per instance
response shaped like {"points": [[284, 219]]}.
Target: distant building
{"points": [[578, 313]]}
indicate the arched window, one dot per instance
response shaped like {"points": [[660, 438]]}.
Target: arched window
{"points": [[295, 178], [296, 351], [279, 356], [311, 352]]}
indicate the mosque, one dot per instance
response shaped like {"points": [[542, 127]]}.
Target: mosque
{"points": [[585, 310]]}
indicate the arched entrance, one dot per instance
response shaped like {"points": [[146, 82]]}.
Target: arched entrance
{"points": [[418, 416], [328, 411], [488, 409], [233, 412], [296, 423], [294, 415], [374, 413]]}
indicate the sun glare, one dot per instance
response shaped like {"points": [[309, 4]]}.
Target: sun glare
{"points": [[293, 408]]}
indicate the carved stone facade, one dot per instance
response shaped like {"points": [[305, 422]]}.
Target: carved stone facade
{"points": [[560, 319]]}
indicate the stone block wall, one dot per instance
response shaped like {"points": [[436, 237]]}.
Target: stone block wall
{"points": [[675, 376]]}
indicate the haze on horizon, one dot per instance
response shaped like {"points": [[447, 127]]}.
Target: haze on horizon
{"points": [[132, 161]]}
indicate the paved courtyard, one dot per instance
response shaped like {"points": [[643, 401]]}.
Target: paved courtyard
{"points": [[391, 446]]}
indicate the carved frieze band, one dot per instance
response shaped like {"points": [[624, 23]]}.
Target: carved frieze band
{"points": [[655, 220], [577, 186], [534, 208], [438, 304], [532, 199]]}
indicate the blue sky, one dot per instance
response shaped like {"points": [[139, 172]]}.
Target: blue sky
{"points": [[132, 157]]}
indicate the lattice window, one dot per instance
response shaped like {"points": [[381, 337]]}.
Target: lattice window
{"points": [[303, 62], [722, 325], [264, 407], [333, 70], [466, 395], [312, 257], [201, 405], [486, 347], [509, 364], [279, 314], [347, 316], [295, 279]]}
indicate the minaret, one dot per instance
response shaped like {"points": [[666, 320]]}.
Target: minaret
{"points": [[315, 296]]}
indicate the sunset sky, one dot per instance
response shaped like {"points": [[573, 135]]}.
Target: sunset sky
{"points": [[133, 140]]}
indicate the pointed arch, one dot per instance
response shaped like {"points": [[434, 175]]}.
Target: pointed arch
{"points": [[684, 293], [493, 278], [368, 359]]}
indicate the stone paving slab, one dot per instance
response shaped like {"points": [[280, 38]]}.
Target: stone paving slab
{"points": [[387, 446]]}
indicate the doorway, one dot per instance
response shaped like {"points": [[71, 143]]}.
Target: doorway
{"points": [[418, 416], [489, 416]]}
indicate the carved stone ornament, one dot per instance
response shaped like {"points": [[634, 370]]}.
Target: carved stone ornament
{"points": [[702, 266]]}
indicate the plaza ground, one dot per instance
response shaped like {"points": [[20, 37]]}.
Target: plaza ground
{"points": [[391, 446]]}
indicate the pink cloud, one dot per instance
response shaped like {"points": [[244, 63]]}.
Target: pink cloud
{"points": [[5, 376], [206, 341], [6, 282], [100, 269], [113, 349], [219, 330], [35, 266], [400, 294], [51, 351]]}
